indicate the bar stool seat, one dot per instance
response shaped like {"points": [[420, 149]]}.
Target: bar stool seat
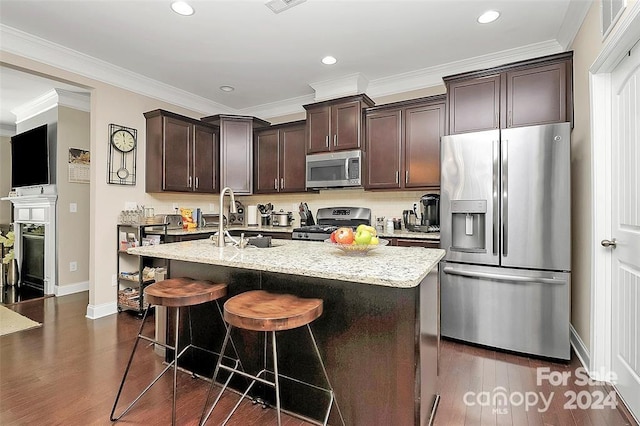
{"points": [[172, 293], [261, 311], [266, 312]]}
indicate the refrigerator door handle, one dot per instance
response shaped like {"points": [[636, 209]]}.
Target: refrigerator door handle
{"points": [[496, 190], [502, 277], [505, 197]]}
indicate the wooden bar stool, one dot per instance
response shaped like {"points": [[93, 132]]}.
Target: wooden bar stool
{"points": [[172, 293], [259, 310]]}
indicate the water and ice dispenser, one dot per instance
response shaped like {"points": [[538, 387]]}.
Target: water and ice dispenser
{"points": [[468, 223]]}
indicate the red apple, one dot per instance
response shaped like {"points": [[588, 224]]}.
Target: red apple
{"points": [[344, 235]]}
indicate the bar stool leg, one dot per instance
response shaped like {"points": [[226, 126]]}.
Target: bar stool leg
{"points": [[326, 376], [205, 414], [276, 380], [175, 366], [126, 372]]}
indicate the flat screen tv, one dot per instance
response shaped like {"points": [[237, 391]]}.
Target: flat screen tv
{"points": [[30, 158]]}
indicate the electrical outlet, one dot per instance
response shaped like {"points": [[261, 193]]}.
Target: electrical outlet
{"points": [[73, 207], [175, 206], [130, 205], [73, 266], [212, 208]]}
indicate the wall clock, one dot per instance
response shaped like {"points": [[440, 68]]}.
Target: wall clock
{"points": [[123, 144]]}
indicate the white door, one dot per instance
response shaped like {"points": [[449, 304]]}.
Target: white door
{"points": [[625, 228]]}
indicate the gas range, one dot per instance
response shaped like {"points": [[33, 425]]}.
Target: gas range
{"points": [[331, 218]]}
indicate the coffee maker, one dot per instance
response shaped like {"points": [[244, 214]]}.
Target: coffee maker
{"points": [[428, 219]]}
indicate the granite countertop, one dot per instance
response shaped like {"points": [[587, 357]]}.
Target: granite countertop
{"points": [[402, 267]]}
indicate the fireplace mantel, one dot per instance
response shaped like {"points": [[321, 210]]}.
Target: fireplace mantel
{"points": [[38, 209]]}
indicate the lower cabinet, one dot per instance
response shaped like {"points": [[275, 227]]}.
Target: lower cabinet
{"points": [[251, 233], [191, 237], [410, 242]]}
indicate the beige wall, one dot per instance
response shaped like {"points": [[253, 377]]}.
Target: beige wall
{"points": [[73, 228], [5, 179], [587, 45]]}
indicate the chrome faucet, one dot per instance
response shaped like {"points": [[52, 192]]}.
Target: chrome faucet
{"points": [[232, 209]]}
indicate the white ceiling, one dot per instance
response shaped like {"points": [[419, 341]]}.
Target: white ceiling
{"points": [[273, 60]]}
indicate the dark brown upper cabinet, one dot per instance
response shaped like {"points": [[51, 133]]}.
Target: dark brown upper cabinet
{"points": [[280, 153], [402, 148], [526, 93], [335, 125], [182, 154], [236, 150]]}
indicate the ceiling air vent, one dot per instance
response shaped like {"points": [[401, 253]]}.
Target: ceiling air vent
{"points": [[278, 6]]}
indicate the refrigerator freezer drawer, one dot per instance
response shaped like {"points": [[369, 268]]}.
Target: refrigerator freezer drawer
{"points": [[517, 310]]}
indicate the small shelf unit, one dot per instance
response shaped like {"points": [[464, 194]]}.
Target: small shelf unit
{"points": [[130, 267]]}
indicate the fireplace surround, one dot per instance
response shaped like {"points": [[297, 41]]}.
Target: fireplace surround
{"points": [[37, 211]]}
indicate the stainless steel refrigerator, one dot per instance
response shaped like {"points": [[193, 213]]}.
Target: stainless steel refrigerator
{"points": [[505, 223]]}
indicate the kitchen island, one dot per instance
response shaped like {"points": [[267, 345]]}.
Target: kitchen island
{"points": [[378, 334]]}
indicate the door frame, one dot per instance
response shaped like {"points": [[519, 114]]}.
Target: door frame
{"points": [[617, 46]]}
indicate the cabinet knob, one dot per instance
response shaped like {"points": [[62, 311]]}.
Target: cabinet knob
{"points": [[281, 183], [335, 140], [197, 182], [326, 140], [275, 183], [189, 184]]}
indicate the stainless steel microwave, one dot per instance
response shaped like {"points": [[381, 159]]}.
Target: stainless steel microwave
{"points": [[334, 169]]}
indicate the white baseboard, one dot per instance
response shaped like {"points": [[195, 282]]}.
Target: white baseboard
{"points": [[579, 347], [63, 290], [99, 311]]}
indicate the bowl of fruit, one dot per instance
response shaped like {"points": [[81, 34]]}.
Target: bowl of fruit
{"points": [[358, 242]]}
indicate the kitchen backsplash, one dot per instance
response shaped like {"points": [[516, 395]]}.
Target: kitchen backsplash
{"points": [[387, 204]]}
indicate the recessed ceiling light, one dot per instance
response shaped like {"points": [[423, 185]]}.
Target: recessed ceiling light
{"points": [[227, 88], [329, 60], [488, 16], [182, 8]]}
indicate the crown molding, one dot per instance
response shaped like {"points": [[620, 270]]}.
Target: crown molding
{"points": [[26, 45], [352, 84], [279, 108], [573, 18], [432, 76], [7, 130], [52, 99]]}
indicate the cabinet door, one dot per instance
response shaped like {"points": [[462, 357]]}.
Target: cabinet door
{"points": [[318, 129], [176, 155], [236, 139], [416, 243], [383, 149], [205, 160], [292, 159], [266, 157], [537, 96], [423, 128], [474, 104], [345, 126]]}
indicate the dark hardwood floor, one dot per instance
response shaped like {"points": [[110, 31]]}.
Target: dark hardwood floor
{"points": [[67, 373]]}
